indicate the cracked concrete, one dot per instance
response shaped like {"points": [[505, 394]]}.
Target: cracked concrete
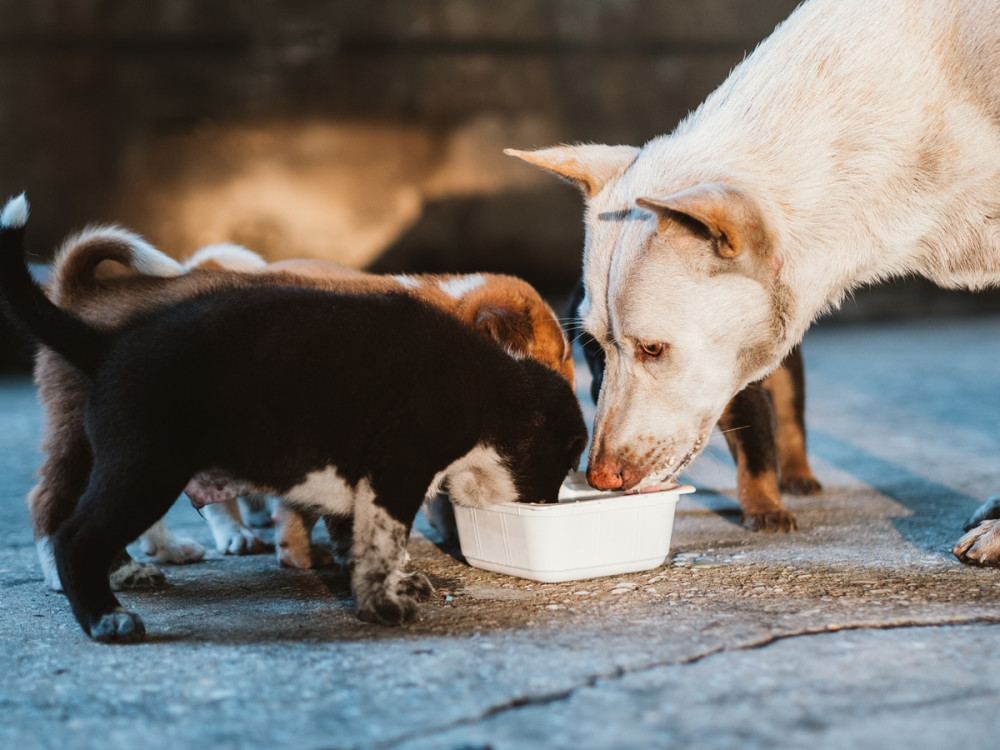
{"points": [[860, 630]]}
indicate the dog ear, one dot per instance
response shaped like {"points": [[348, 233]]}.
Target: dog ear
{"points": [[730, 216], [508, 325], [590, 167]]}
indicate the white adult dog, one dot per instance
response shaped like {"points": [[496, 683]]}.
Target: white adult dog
{"points": [[859, 142]]}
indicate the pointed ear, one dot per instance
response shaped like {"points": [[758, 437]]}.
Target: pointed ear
{"points": [[508, 325], [589, 167], [729, 215]]}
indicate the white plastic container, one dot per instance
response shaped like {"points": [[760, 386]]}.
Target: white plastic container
{"points": [[586, 534]]}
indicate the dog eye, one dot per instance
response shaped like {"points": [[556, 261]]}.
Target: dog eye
{"points": [[651, 349]]}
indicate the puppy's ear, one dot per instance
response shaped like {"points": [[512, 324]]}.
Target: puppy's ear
{"points": [[508, 325], [589, 167], [729, 215]]}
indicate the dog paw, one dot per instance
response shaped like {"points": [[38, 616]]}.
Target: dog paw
{"points": [[119, 626], [304, 558], [800, 484], [981, 546], [989, 509], [240, 541], [136, 575], [416, 585], [179, 551], [385, 609], [772, 521]]}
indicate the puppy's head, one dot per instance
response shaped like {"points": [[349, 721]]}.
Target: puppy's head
{"points": [[531, 443], [510, 311]]}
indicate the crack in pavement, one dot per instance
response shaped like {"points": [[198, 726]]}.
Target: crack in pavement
{"points": [[558, 696]]}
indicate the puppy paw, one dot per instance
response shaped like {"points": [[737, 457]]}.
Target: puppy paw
{"points": [[136, 575], [981, 546], [800, 484], [304, 558], [179, 551], [240, 540], [385, 609], [989, 509], [415, 585], [119, 626], [772, 521]]}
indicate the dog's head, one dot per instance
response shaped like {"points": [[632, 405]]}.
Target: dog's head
{"points": [[683, 294]]}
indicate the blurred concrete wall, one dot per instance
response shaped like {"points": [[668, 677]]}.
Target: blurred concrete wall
{"points": [[368, 132], [365, 131]]}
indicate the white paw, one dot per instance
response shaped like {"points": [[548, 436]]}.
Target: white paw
{"points": [[136, 575], [179, 551], [239, 540]]}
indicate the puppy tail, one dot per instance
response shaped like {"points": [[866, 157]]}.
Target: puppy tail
{"points": [[75, 267], [28, 307]]}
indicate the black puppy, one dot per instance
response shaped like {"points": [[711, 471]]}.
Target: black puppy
{"points": [[348, 405]]}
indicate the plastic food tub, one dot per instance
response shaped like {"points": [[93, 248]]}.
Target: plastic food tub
{"points": [[586, 534]]}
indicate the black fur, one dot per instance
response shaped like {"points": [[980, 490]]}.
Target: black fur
{"points": [[271, 384]]}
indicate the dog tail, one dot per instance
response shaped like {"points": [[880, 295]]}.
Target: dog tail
{"points": [[75, 266], [225, 256], [28, 307]]}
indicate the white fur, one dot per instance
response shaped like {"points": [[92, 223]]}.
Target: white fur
{"points": [[459, 286], [866, 134], [15, 213], [326, 491], [230, 256], [477, 479], [47, 561], [160, 543], [407, 281], [232, 536]]}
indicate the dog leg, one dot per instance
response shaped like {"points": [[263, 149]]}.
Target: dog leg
{"points": [[256, 509], [106, 519], [159, 543], [747, 425], [989, 509], [232, 536], [340, 529], [378, 553], [293, 539], [981, 546], [63, 474], [786, 386]]}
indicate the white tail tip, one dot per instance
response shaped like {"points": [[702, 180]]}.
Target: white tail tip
{"points": [[15, 213]]}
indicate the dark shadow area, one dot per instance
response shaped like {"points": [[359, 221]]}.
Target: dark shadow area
{"points": [[934, 507], [488, 233]]}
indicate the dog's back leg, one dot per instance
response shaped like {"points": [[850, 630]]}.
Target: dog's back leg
{"points": [[121, 501], [747, 424]]}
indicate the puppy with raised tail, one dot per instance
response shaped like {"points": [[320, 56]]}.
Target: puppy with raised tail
{"points": [[302, 393], [859, 142]]}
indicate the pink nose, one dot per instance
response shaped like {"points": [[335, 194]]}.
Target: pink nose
{"points": [[605, 475]]}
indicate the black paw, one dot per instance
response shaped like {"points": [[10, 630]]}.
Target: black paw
{"points": [[416, 585], [119, 626], [384, 609]]}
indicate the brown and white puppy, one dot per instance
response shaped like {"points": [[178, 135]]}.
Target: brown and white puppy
{"points": [[107, 275], [859, 142]]}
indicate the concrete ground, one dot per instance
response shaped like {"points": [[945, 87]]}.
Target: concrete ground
{"points": [[860, 630]]}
